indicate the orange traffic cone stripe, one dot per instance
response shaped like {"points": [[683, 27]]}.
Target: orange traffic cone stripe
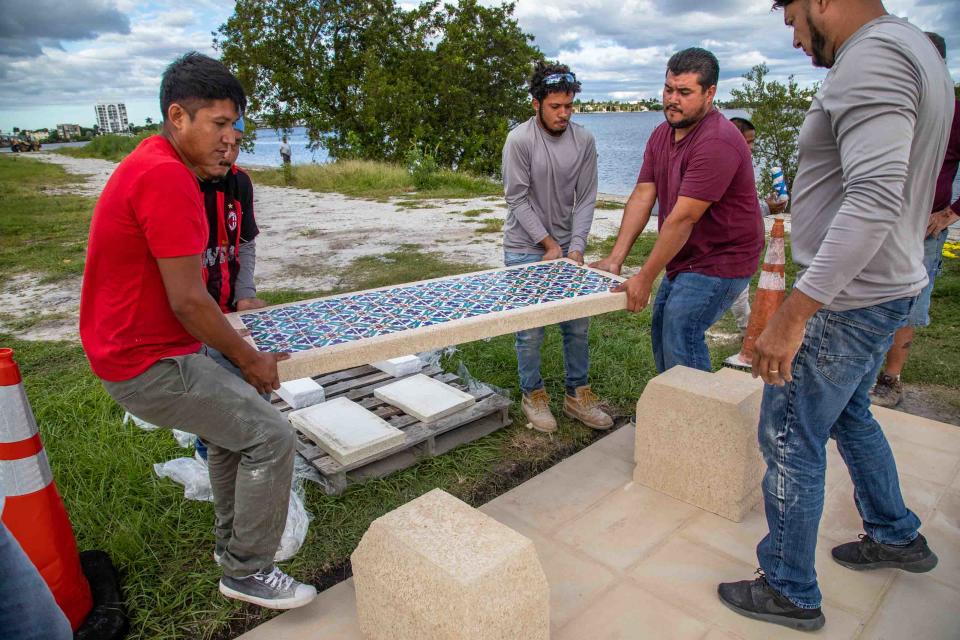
{"points": [[33, 510], [771, 290]]}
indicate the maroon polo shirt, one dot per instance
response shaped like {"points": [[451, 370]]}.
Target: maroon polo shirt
{"points": [[711, 163], [941, 199]]}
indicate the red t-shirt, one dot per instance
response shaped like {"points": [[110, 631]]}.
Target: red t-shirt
{"points": [[711, 163], [150, 208]]}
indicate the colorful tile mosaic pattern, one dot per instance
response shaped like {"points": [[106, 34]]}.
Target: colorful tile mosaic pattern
{"points": [[324, 323]]}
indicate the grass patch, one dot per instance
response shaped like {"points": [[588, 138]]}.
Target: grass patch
{"points": [[608, 204], [31, 320], [473, 213], [107, 147], [935, 357], [490, 225], [414, 204], [40, 232], [379, 180]]}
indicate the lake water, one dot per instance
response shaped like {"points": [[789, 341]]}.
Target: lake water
{"points": [[620, 138]]}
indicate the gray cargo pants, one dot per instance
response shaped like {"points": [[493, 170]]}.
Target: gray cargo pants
{"points": [[251, 449]]}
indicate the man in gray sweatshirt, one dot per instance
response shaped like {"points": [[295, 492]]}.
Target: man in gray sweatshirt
{"points": [[870, 150], [550, 184]]}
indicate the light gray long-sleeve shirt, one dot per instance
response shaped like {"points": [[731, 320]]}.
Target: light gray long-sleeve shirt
{"points": [[550, 184], [244, 286], [870, 150]]}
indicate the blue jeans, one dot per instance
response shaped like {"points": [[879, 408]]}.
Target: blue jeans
{"points": [[220, 359], [833, 371], [932, 261], [683, 310], [27, 608], [576, 348]]}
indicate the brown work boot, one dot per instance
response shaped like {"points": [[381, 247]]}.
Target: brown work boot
{"points": [[585, 407], [536, 406], [888, 392]]}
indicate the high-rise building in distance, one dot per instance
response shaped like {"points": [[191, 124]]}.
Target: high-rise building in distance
{"points": [[112, 117]]}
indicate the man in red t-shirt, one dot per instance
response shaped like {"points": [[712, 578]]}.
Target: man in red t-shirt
{"points": [[145, 314], [698, 168]]}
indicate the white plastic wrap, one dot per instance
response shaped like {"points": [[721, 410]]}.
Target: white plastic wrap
{"points": [[143, 424], [183, 438], [192, 473], [189, 472]]}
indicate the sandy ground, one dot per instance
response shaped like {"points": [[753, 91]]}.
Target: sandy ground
{"points": [[306, 241]]}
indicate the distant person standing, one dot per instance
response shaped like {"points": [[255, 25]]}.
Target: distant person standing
{"points": [[698, 167], [770, 205], [550, 184], [888, 391], [285, 152]]}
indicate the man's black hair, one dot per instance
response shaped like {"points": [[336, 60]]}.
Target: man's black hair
{"points": [[743, 124], [194, 79], [543, 70], [780, 4], [938, 42], [699, 61]]}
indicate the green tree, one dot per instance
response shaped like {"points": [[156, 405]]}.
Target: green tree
{"points": [[777, 111], [956, 91], [370, 79]]}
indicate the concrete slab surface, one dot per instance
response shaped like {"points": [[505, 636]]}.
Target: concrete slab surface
{"points": [[345, 430], [624, 562], [425, 398]]}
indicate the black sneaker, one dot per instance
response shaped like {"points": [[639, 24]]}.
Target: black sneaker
{"points": [[758, 600], [270, 588], [867, 553]]}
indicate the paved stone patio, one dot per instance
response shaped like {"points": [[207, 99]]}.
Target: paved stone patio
{"points": [[624, 561]]}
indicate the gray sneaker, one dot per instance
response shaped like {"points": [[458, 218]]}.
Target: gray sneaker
{"points": [[887, 392], [270, 588]]}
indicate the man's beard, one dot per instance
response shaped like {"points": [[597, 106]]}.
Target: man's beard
{"points": [[818, 45], [686, 123], [546, 127]]}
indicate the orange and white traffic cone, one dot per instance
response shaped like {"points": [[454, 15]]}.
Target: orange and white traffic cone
{"points": [[33, 511], [770, 293]]}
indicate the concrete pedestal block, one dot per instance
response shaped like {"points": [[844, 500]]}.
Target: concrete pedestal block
{"points": [[436, 568], [697, 439]]}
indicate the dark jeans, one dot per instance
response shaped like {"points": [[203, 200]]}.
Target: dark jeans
{"points": [[683, 310], [837, 364], [251, 449], [27, 608], [576, 346]]}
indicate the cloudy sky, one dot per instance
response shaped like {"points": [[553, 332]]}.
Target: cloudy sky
{"points": [[59, 57]]}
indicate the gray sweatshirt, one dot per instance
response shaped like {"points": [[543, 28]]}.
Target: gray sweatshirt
{"points": [[550, 185], [870, 150], [244, 286]]}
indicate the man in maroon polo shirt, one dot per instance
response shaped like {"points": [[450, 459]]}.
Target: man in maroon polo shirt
{"points": [[698, 167]]}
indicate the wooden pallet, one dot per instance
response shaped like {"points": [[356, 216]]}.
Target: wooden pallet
{"points": [[490, 413]]}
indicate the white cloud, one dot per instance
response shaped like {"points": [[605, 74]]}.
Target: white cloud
{"points": [[119, 48]]}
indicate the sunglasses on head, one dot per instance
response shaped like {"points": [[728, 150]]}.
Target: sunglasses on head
{"points": [[557, 78]]}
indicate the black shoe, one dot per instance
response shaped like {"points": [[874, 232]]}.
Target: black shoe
{"points": [[867, 553], [758, 600]]}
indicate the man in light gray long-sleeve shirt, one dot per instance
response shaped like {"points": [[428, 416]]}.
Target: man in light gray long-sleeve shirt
{"points": [[550, 184], [870, 151]]}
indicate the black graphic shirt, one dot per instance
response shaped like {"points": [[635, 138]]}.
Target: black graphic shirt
{"points": [[229, 206]]}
